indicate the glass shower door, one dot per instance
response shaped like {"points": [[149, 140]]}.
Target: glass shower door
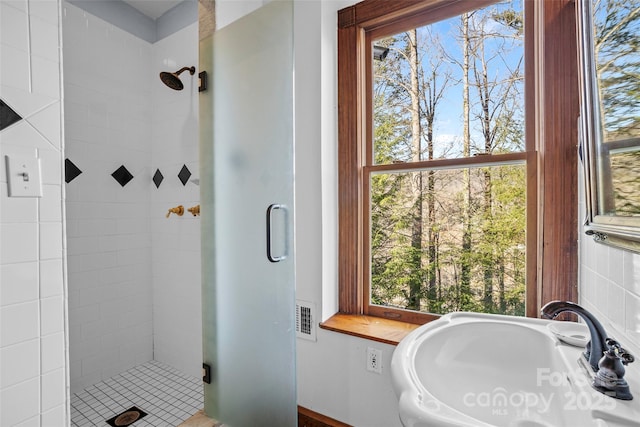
{"points": [[247, 220]]}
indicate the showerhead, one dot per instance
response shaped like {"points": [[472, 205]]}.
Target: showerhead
{"points": [[172, 80]]}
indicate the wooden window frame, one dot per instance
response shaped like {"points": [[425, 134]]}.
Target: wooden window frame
{"points": [[551, 89]]}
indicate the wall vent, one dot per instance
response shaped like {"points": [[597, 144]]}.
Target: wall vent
{"points": [[305, 320]]}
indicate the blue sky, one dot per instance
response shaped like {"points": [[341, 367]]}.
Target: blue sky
{"points": [[505, 54]]}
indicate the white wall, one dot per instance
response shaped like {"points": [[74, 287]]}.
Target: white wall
{"points": [[33, 378], [177, 307], [331, 374], [107, 85]]}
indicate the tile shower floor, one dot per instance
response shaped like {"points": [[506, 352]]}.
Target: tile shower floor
{"points": [[167, 396]]}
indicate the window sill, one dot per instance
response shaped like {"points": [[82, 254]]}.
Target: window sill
{"points": [[372, 328]]}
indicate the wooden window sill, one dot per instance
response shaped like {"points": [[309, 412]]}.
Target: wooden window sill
{"points": [[372, 328]]}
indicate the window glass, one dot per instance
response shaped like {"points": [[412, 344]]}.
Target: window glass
{"points": [[441, 241], [444, 234], [451, 89]]}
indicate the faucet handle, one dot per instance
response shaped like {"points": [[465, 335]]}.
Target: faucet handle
{"points": [[195, 210], [623, 354], [626, 357], [178, 210], [612, 344]]}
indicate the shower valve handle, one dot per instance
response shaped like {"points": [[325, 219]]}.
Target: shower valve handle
{"points": [[178, 210]]}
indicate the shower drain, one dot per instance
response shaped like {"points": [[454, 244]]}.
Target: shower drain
{"points": [[127, 418]]}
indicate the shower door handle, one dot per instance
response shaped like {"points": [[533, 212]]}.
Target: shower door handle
{"points": [[270, 210]]}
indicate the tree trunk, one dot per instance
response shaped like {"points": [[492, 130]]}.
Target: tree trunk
{"points": [[501, 273], [465, 268], [432, 98], [488, 259], [415, 281]]}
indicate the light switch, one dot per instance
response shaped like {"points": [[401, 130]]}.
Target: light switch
{"points": [[23, 176]]}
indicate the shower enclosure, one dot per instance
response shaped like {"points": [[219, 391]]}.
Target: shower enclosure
{"points": [[246, 158], [132, 151]]}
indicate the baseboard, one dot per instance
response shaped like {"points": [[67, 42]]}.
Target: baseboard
{"points": [[309, 418]]}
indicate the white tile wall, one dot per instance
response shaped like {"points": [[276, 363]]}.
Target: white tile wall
{"points": [[107, 75], [134, 276], [609, 284], [177, 325], [33, 378], [19, 282]]}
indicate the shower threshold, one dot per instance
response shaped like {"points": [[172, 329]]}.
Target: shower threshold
{"points": [[167, 396]]}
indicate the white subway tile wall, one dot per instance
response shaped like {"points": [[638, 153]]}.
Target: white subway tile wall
{"points": [[610, 289], [105, 69], [176, 240], [134, 275], [33, 385]]}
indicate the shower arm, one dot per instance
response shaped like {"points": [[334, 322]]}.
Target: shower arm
{"points": [[192, 70]]}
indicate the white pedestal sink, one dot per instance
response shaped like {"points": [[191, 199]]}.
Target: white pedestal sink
{"points": [[469, 369]]}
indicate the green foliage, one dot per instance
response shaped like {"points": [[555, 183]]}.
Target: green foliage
{"points": [[472, 221], [510, 18]]}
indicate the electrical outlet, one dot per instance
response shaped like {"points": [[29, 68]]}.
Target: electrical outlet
{"points": [[374, 360]]}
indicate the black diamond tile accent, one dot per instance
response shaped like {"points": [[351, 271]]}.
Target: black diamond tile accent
{"points": [[71, 171], [127, 418], [122, 175], [157, 178], [7, 115], [184, 174]]}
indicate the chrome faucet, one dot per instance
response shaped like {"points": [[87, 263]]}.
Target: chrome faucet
{"points": [[606, 357]]}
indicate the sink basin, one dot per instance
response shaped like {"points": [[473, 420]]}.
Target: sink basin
{"points": [[468, 369]]}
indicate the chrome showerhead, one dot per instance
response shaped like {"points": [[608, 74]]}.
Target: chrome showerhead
{"points": [[173, 80]]}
